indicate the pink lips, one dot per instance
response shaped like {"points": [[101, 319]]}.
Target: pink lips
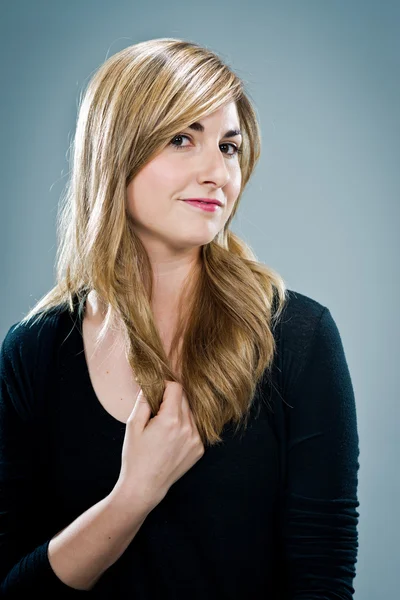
{"points": [[207, 206], [212, 200]]}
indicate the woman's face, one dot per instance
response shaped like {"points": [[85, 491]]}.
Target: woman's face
{"points": [[199, 162]]}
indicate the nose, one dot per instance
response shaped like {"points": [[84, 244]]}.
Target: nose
{"points": [[213, 168]]}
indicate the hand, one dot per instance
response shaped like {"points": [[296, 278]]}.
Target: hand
{"points": [[158, 451]]}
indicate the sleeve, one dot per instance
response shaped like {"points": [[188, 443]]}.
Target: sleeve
{"points": [[320, 517], [24, 564]]}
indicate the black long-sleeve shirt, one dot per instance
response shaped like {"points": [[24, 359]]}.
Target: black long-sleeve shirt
{"points": [[268, 514]]}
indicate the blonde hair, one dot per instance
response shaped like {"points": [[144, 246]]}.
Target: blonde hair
{"points": [[133, 106]]}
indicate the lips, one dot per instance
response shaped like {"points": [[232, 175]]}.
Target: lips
{"points": [[205, 200], [210, 207]]}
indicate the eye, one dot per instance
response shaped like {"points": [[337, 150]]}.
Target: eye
{"points": [[235, 149], [177, 137]]}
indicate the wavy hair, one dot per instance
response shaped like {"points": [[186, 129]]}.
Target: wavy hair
{"points": [[132, 107]]}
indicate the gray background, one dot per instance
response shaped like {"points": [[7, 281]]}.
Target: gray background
{"points": [[322, 207]]}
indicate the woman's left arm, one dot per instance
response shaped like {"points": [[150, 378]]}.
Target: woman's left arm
{"points": [[320, 516]]}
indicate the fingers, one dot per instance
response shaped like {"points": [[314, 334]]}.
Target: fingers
{"points": [[186, 411], [141, 411], [177, 402], [174, 403], [171, 404]]}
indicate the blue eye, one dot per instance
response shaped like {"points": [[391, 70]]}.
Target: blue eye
{"points": [[236, 150]]}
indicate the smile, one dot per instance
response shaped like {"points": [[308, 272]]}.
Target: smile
{"points": [[207, 207]]}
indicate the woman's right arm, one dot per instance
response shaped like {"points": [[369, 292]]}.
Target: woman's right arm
{"points": [[30, 560], [80, 553], [75, 558]]}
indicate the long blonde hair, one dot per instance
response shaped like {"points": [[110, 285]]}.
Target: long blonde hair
{"points": [[133, 106]]}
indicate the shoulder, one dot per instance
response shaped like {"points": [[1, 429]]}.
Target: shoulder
{"points": [[24, 337], [27, 342], [306, 327], [300, 318], [25, 362]]}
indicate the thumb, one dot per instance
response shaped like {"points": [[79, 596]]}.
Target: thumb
{"points": [[141, 410]]}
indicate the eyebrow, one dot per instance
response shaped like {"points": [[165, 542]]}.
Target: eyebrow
{"points": [[199, 127]]}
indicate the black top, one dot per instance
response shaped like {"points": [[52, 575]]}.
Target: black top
{"points": [[268, 514]]}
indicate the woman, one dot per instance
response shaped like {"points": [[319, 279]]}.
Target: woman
{"points": [[175, 422]]}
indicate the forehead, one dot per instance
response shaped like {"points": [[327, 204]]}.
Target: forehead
{"points": [[225, 115]]}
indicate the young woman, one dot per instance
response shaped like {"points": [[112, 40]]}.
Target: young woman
{"points": [[174, 422]]}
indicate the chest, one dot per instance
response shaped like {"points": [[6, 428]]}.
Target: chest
{"points": [[110, 373], [109, 370], [88, 430]]}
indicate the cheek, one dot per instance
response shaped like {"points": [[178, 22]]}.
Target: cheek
{"points": [[153, 183], [235, 182], [160, 173]]}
